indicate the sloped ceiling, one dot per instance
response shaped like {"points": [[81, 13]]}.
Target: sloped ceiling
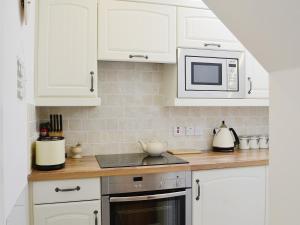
{"points": [[270, 29]]}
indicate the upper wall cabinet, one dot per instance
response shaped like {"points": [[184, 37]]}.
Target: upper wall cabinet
{"points": [[257, 78], [200, 28], [67, 53], [138, 32]]}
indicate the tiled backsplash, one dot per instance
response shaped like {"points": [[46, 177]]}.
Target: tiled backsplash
{"points": [[130, 110]]}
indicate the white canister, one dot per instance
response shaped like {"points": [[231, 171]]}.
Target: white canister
{"points": [[244, 142], [263, 142], [254, 142]]}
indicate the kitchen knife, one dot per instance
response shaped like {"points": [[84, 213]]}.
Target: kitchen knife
{"points": [[51, 123], [61, 123], [57, 123], [54, 123]]}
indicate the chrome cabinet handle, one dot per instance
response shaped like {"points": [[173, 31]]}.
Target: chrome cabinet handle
{"points": [[251, 84], [96, 217], [67, 189], [92, 81], [212, 44], [198, 195], [138, 56]]}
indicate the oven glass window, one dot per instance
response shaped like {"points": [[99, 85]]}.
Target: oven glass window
{"points": [[206, 73], [170, 211]]}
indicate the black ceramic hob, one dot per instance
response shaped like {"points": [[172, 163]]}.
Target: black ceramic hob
{"points": [[137, 159]]}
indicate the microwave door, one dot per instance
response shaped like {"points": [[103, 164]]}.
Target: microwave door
{"points": [[205, 74]]}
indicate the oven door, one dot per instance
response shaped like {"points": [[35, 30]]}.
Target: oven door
{"points": [[171, 208], [205, 74]]}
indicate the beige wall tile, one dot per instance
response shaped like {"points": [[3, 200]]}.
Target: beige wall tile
{"points": [[131, 110]]}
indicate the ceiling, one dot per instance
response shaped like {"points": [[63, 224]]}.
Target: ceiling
{"points": [[270, 29]]}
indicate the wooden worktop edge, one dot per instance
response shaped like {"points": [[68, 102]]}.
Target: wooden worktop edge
{"points": [[224, 165], [140, 170], [40, 176]]}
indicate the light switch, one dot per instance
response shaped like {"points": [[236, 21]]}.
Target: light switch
{"points": [[198, 131]]}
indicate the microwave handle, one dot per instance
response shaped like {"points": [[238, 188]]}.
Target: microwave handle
{"points": [[147, 197], [251, 85]]}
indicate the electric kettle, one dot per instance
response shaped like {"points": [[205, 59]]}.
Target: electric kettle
{"points": [[223, 140]]}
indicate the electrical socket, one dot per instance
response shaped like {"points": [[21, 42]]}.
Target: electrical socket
{"points": [[198, 131], [178, 131], [189, 131]]}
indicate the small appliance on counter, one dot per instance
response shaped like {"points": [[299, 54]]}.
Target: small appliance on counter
{"points": [[223, 140], [50, 146]]}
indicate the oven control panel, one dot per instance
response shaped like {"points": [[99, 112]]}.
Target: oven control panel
{"points": [[145, 182]]}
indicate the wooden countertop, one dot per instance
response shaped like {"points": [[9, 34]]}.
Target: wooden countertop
{"points": [[88, 167]]}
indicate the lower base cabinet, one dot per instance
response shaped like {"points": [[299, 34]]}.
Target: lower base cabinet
{"points": [[230, 196], [72, 213]]}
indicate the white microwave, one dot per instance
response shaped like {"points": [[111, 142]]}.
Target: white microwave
{"points": [[211, 74]]}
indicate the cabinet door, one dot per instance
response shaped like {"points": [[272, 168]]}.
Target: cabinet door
{"points": [[230, 197], [257, 78], [75, 213], [142, 32], [67, 48], [200, 28]]}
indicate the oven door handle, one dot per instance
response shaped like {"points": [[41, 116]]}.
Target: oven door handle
{"points": [[147, 197]]}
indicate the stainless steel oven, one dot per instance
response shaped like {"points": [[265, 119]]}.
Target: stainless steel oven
{"points": [[152, 199], [211, 74]]}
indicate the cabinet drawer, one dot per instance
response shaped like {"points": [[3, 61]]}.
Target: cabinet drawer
{"points": [[66, 190]]}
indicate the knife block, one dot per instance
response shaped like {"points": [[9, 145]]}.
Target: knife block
{"points": [[56, 134]]}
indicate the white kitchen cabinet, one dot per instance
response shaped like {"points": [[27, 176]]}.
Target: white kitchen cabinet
{"points": [[230, 196], [74, 213], [138, 32], [257, 78], [66, 202], [184, 3], [200, 28], [67, 53]]}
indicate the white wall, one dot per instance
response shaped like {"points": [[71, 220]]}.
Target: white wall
{"points": [[17, 40], [19, 214], [285, 152], [1, 156], [267, 28], [131, 110], [1, 118]]}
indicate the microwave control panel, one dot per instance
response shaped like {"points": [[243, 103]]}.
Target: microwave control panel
{"points": [[232, 75]]}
